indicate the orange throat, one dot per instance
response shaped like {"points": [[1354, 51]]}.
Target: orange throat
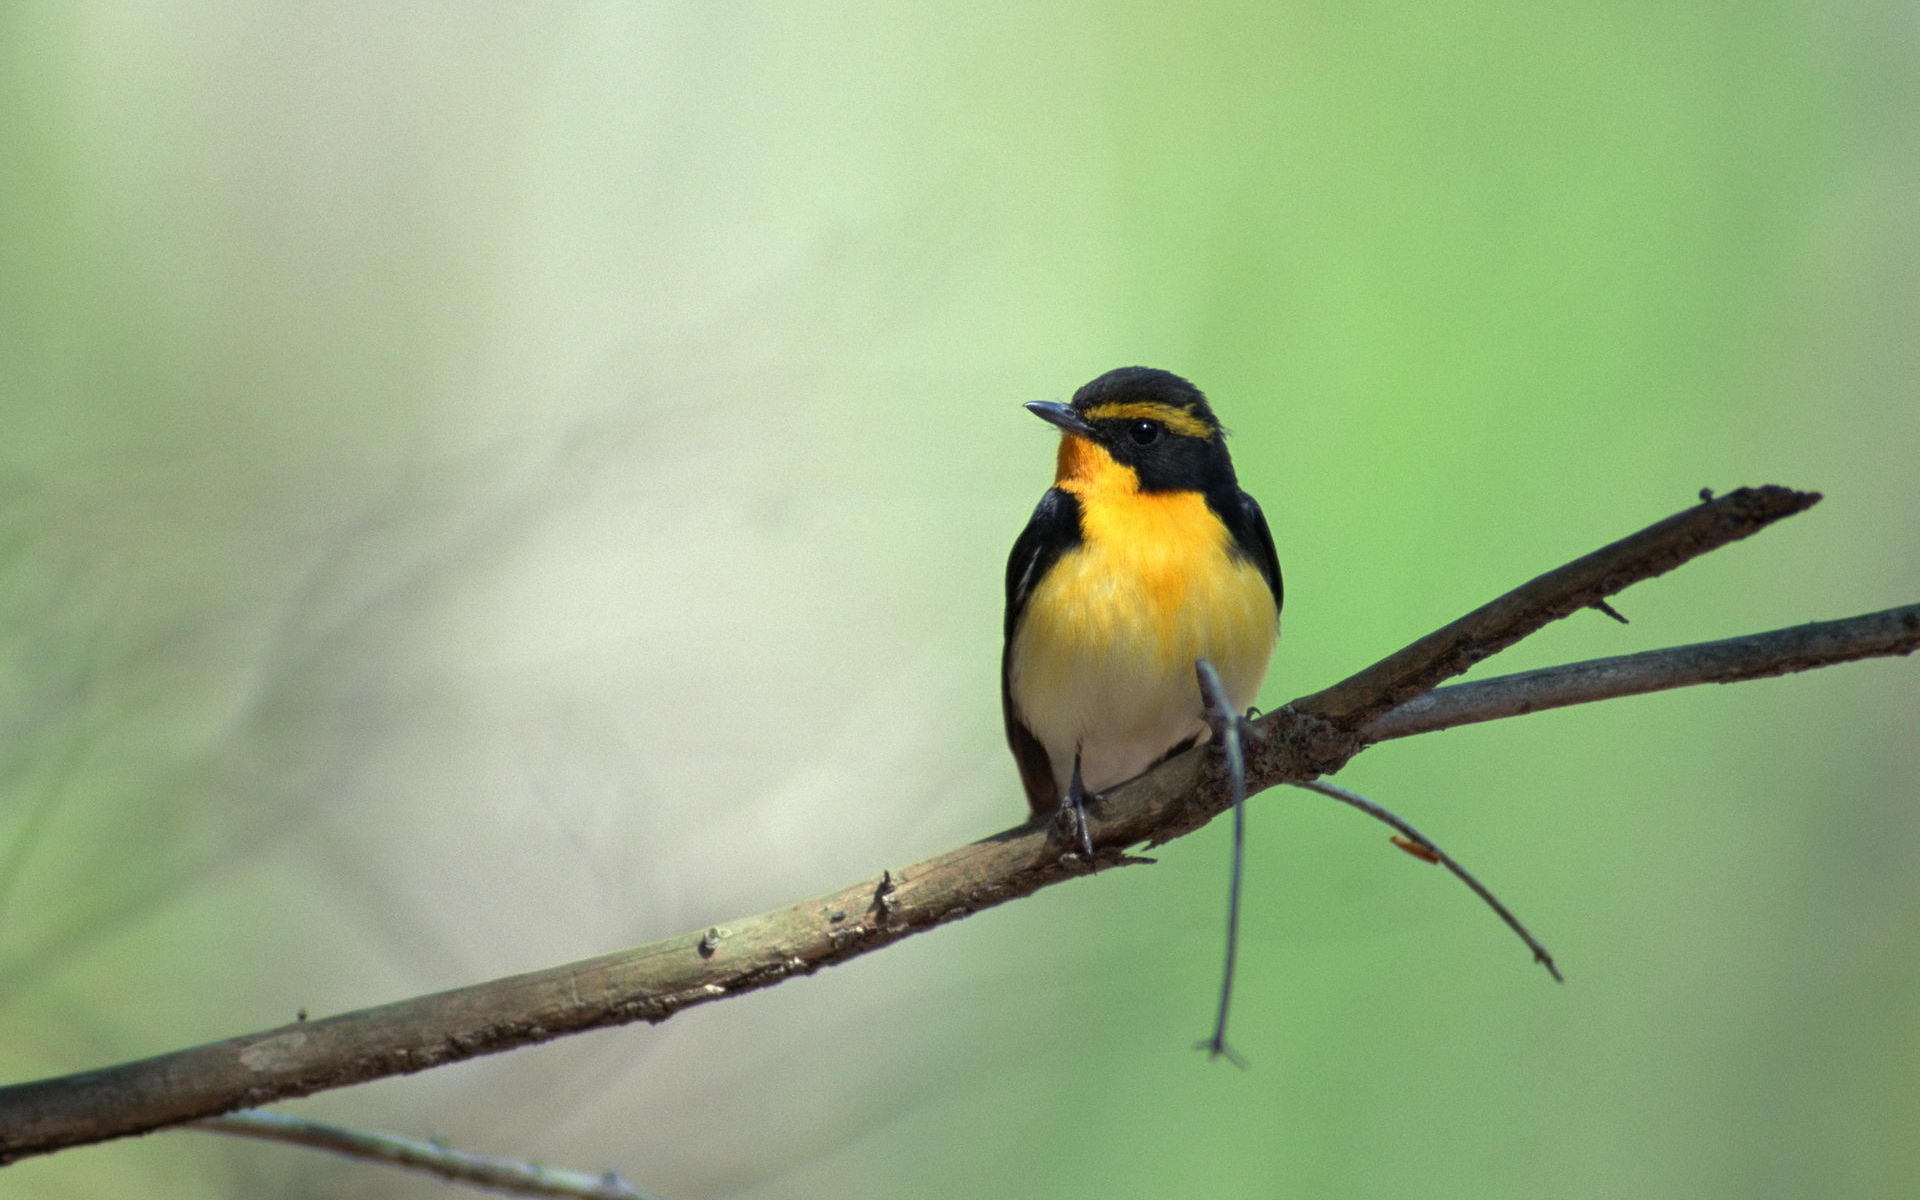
{"points": [[1082, 466]]}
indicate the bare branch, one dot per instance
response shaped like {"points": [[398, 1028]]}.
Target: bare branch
{"points": [[458, 1166], [1313, 737], [647, 983], [1583, 583], [1894, 631]]}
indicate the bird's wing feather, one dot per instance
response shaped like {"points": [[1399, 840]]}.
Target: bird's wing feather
{"points": [[1242, 516], [1054, 529]]}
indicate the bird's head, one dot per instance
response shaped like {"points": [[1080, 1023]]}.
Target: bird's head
{"points": [[1139, 429]]}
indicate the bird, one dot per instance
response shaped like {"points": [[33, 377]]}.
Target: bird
{"points": [[1142, 558]]}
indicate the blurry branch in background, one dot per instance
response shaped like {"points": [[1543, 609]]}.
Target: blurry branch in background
{"points": [[1314, 736], [456, 1166]]}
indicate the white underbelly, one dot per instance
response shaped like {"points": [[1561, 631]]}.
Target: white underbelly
{"points": [[1103, 662]]}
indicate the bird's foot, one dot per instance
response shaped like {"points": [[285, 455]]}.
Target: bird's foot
{"points": [[1072, 821]]}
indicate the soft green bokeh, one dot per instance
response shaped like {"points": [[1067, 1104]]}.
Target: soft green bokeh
{"points": [[483, 486]]}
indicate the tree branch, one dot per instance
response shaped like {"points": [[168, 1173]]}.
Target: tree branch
{"points": [[457, 1166], [1314, 736], [1893, 631], [1582, 583]]}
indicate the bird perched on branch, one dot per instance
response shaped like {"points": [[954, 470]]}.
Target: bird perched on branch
{"points": [[1143, 557]]}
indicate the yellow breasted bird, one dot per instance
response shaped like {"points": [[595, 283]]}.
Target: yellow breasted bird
{"points": [[1143, 557]]}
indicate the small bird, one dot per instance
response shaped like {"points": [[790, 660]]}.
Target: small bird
{"points": [[1143, 557]]}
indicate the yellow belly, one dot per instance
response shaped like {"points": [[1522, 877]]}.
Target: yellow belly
{"points": [[1102, 663]]}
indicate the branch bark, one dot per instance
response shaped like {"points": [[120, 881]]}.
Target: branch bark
{"points": [[1891, 631], [1582, 583], [1314, 736]]}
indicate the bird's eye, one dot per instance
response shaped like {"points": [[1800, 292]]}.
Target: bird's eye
{"points": [[1144, 433]]}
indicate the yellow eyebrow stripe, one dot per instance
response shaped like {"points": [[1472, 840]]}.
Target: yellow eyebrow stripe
{"points": [[1179, 420]]}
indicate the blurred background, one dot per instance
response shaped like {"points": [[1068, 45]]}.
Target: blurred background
{"points": [[485, 486]]}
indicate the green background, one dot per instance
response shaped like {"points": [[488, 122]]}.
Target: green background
{"points": [[482, 486]]}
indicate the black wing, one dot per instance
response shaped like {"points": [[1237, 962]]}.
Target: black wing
{"points": [[1053, 530], [1242, 516]]}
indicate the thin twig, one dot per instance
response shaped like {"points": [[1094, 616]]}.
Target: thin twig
{"points": [[1433, 853], [1228, 725], [651, 983], [459, 1166]]}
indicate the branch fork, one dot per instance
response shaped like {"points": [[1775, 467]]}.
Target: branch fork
{"points": [[1315, 735]]}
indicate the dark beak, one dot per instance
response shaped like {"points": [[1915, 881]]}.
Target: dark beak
{"points": [[1062, 415]]}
